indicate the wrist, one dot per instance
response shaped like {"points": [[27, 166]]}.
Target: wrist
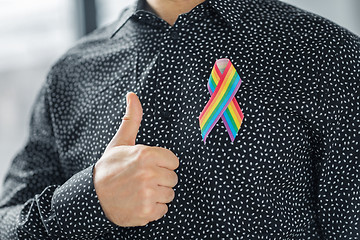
{"points": [[77, 207]]}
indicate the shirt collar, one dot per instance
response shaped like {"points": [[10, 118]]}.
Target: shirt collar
{"points": [[230, 10]]}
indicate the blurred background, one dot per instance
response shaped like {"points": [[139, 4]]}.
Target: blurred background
{"points": [[34, 34]]}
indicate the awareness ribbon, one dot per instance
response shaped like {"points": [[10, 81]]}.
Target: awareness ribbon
{"points": [[223, 84]]}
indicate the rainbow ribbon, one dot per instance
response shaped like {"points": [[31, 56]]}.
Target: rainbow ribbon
{"points": [[223, 84]]}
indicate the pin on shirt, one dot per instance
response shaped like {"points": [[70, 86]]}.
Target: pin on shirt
{"points": [[223, 84]]}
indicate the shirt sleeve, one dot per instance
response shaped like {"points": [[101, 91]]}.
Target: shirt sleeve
{"points": [[37, 202], [337, 165]]}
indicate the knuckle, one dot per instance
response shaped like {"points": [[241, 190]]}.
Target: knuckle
{"points": [[146, 175], [146, 193], [144, 151], [146, 210], [143, 154]]}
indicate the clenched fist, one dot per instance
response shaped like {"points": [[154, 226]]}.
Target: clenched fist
{"points": [[134, 182]]}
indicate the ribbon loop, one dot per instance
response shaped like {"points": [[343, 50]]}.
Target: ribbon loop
{"points": [[223, 84]]}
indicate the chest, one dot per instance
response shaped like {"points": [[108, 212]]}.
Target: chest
{"points": [[275, 135]]}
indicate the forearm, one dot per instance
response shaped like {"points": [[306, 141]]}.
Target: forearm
{"points": [[30, 220], [9, 223], [68, 211]]}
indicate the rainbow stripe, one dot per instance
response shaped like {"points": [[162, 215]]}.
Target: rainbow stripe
{"points": [[223, 84]]}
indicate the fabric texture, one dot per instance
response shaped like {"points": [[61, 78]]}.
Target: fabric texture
{"points": [[292, 171]]}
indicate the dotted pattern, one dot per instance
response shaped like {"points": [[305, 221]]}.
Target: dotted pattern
{"points": [[291, 173]]}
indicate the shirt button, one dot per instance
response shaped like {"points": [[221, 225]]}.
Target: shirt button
{"points": [[165, 114], [174, 35]]}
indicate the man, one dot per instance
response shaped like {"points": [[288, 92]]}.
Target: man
{"points": [[287, 168]]}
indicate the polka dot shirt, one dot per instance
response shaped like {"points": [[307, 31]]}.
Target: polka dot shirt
{"points": [[292, 171]]}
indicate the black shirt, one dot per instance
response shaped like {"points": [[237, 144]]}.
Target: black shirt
{"points": [[292, 171]]}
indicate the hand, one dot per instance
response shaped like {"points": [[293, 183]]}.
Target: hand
{"points": [[134, 182]]}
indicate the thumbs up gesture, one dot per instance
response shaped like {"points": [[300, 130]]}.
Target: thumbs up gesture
{"points": [[134, 182]]}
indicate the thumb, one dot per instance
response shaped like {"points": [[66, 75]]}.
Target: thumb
{"points": [[126, 135]]}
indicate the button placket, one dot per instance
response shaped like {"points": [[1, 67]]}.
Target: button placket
{"points": [[174, 35], [169, 65]]}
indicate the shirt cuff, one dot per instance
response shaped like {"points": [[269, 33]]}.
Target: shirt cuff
{"points": [[77, 207]]}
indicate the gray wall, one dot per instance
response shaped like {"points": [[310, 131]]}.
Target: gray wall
{"points": [[346, 13]]}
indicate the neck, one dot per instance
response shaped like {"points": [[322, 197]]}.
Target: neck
{"points": [[169, 10]]}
